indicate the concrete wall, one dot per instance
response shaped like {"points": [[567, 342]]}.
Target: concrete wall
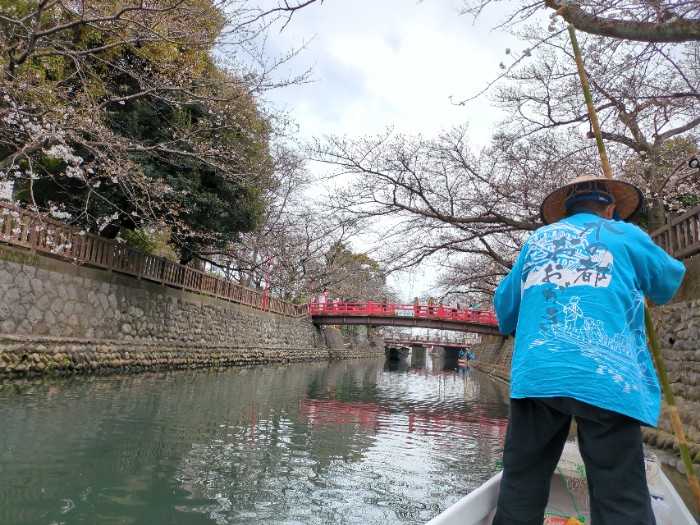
{"points": [[59, 317]]}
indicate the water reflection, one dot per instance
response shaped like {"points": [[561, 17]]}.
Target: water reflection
{"points": [[345, 442]]}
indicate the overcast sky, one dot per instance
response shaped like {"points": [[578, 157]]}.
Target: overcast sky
{"points": [[380, 63]]}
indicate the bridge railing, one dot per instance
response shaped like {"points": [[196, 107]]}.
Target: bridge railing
{"points": [[404, 310], [451, 337], [426, 341], [44, 235]]}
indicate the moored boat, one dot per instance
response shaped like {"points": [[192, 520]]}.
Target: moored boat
{"points": [[567, 498]]}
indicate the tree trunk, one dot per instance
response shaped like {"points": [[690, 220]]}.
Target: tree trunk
{"points": [[657, 214]]}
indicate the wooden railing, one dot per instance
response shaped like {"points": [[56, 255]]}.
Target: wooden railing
{"points": [[41, 234], [680, 238]]}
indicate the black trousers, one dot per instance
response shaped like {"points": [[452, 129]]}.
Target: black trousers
{"points": [[612, 451]]}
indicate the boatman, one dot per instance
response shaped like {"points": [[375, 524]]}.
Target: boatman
{"points": [[575, 302]]}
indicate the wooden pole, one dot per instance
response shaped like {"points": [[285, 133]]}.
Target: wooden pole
{"points": [[589, 104], [672, 408], [651, 332]]}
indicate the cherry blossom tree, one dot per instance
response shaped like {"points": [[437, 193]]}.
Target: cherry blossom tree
{"points": [[652, 21], [129, 113]]}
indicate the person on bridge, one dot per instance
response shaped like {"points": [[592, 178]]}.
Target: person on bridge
{"points": [[574, 300], [323, 300]]}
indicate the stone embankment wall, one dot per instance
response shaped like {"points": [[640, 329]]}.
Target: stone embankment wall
{"points": [[352, 341], [494, 356], [56, 317], [678, 331]]}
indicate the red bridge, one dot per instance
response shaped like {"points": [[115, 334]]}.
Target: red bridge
{"points": [[413, 315]]}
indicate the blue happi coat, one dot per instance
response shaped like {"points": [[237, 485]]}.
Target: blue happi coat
{"points": [[575, 298]]}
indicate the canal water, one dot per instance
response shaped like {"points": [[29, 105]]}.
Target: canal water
{"points": [[352, 442]]}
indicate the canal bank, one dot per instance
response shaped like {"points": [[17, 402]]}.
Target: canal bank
{"points": [[61, 318]]}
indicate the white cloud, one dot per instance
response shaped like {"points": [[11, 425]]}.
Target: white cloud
{"points": [[389, 63]]}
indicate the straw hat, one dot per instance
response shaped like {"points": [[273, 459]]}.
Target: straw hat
{"points": [[627, 198]]}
